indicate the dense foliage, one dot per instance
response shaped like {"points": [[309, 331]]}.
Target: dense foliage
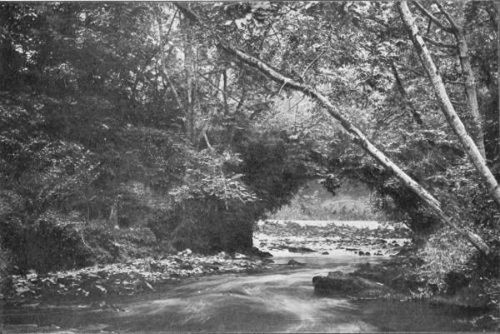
{"points": [[131, 115]]}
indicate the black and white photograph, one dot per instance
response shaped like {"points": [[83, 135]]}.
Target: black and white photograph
{"points": [[249, 167]]}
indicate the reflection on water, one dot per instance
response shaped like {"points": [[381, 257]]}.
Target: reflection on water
{"points": [[278, 301]]}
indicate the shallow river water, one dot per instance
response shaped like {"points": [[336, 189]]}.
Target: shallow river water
{"points": [[279, 301]]}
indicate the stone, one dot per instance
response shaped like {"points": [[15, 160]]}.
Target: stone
{"points": [[300, 250], [292, 262], [338, 283]]}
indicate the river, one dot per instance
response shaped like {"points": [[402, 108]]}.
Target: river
{"points": [[281, 300]]}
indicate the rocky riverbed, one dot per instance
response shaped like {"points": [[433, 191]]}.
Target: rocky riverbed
{"points": [[353, 265], [278, 238], [366, 238]]}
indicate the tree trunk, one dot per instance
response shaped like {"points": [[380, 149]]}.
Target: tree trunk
{"points": [[470, 80], [165, 77], [497, 5], [402, 90], [470, 90], [113, 214], [356, 134], [187, 39], [359, 138], [224, 88], [449, 111]]}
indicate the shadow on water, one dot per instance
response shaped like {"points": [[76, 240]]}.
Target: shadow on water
{"points": [[415, 316], [282, 301]]}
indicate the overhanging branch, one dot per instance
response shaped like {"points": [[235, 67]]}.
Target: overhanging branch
{"points": [[431, 17], [356, 134]]}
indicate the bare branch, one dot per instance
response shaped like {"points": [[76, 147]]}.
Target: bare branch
{"points": [[440, 44], [217, 88], [454, 82], [431, 17], [176, 94], [242, 100], [311, 63], [357, 135], [470, 80], [404, 94], [450, 19]]}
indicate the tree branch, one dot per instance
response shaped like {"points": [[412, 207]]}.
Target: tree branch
{"points": [[470, 80], [311, 63], [454, 25], [163, 66], [357, 136], [453, 120], [431, 17], [440, 44], [404, 94], [217, 88]]}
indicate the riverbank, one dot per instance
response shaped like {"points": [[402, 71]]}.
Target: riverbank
{"points": [[364, 258], [133, 277], [397, 281], [279, 238], [277, 300]]}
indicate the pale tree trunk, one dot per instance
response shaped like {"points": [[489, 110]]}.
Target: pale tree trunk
{"points": [[187, 39], [359, 138], [470, 80], [446, 106], [113, 214], [356, 134], [189, 89], [497, 5], [224, 94], [166, 78]]}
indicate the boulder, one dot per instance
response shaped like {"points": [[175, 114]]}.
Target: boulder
{"points": [[472, 297], [339, 284], [300, 250], [257, 252], [292, 262]]}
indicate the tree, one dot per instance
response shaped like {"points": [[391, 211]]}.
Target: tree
{"points": [[446, 106], [357, 135], [469, 77]]}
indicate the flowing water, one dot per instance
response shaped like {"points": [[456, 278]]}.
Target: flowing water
{"points": [[278, 301]]}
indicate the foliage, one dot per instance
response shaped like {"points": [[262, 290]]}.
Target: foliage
{"points": [[132, 115], [313, 202]]}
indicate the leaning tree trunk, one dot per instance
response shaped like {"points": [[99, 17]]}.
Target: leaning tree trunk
{"points": [[449, 111], [497, 5], [470, 90], [470, 79], [356, 134], [404, 94], [359, 138]]}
